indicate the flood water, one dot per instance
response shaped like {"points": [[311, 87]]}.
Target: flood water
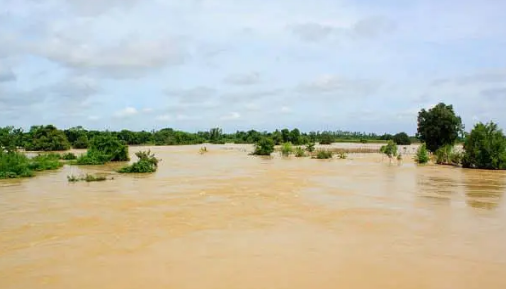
{"points": [[229, 220]]}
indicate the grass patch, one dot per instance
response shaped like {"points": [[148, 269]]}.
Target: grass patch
{"points": [[45, 162], [300, 152], [324, 154], [14, 165], [146, 163], [286, 149]]}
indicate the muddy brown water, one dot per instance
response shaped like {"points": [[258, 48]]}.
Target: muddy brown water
{"points": [[229, 220]]}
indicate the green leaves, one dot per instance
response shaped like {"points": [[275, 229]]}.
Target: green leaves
{"points": [[439, 126], [485, 148]]}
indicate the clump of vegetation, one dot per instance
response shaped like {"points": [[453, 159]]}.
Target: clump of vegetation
{"points": [[14, 165], [402, 138], [300, 152], [326, 138], [324, 154], [446, 155], [439, 126], [399, 157], [68, 156], [286, 149], [342, 155], [203, 150], [422, 154], [87, 178], [310, 147], [146, 163], [390, 149], [103, 149], [45, 162], [46, 138], [485, 148], [264, 147]]}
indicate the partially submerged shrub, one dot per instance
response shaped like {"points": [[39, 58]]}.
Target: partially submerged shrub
{"points": [[68, 156], [203, 150], [299, 152], [14, 165], [323, 154], [422, 154], [87, 178], [286, 149], [342, 155], [46, 138], [264, 147], [310, 147], [146, 163], [44, 162], [103, 149], [390, 149], [485, 148], [446, 155]]}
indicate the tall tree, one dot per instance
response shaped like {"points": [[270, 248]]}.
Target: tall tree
{"points": [[439, 126]]}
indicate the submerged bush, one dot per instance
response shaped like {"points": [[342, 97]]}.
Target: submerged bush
{"points": [[87, 178], [342, 155], [324, 154], [286, 149], [264, 147], [46, 138], [422, 154], [485, 148], [103, 149], [68, 156], [310, 147], [390, 149], [45, 162], [146, 163], [14, 165], [203, 150], [299, 152], [446, 155]]}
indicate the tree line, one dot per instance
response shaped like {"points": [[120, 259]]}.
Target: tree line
{"points": [[50, 138]]}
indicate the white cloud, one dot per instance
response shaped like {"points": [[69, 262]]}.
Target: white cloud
{"points": [[285, 109], [243, 79], [126, 112], [231, 116]]}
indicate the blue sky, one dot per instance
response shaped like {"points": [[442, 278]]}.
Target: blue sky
{"points": [[195, 64]]}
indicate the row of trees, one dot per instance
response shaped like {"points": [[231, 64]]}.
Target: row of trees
{"points": [[49, 138], [439, 129]]}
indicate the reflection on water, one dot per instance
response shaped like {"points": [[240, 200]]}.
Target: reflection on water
{"points": [[229, 220]]}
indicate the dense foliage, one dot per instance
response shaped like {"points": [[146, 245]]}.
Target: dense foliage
{"points": [[286, 149], [14, 165], [439, 126], [324, 154], [146, 163], [46, 138], [485, 148], [103, 149], [390, 149], [422, 154], [264, 147], [402, 138], [87, 178], [300, 152], [44, 162], [447, 155]]}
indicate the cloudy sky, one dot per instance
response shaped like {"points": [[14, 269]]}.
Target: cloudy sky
{"points": [[366, 65]]}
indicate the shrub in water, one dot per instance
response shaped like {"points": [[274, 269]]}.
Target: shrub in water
{"points": [[14, 165], [324, 154], [103, 149], [146, 163], [310, 147], [390, 149], [485, 148], [87, 178], [286, 149], [299, 152], [447, 155], [44, 162], [264, 147], [68, 157], [342, 155], [422, 154]]}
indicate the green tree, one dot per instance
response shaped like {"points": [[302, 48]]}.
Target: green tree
{"points": [[46, 138], [285, 135], [326, 138], [439, 126], [295, 137], [264, 147], [215, 135], [422, 155], [104, 148], [485, 148], [286, 149], [402, 138], [10, 138], [390, 149]]}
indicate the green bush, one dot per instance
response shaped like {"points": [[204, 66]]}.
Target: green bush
{"points": [[439, 126], [402, 138], [390, 149], [146, 163], [446, 155], [87, 178], [422, 154], [68, 156], [103, 149], [300, 152], [45, 162], [264, 147], [286, 149], [14, 165], [342, 155], [310, 147], [46, 138], [485, 148], [81, 142], [323, 154]]}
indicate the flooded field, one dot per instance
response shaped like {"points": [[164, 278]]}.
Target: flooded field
{"points": [[229, 220]]}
